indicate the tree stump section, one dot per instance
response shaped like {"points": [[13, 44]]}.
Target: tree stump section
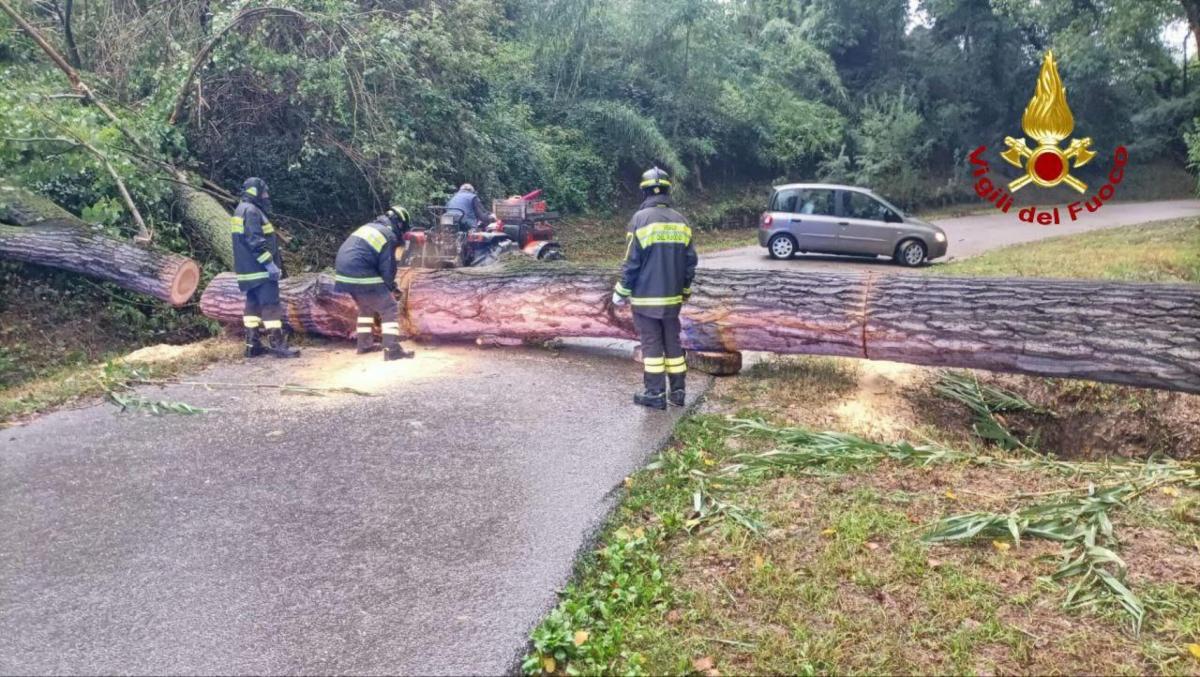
{"points": [[48, 235]]}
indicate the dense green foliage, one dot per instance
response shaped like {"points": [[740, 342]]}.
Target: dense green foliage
{"points": [[345, 105]]}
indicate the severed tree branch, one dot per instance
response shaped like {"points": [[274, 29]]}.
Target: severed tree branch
{"points": [[206, 51]]}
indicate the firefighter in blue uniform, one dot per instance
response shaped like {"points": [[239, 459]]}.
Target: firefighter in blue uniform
{"points": [[366, 269], [660, 263], [256, 262]]}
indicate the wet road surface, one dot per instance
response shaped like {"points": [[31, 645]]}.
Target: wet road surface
{"points": [[421, 530]]}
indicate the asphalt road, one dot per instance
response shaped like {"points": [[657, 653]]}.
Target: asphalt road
{"points": [[968, 236], [423, 530]]}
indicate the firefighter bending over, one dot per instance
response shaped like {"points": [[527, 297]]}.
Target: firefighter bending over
{"points": [[366, 269], [660, 262], [256, 262]]}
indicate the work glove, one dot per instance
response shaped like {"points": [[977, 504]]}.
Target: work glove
{"points": [[273, 271], [619, 300]]}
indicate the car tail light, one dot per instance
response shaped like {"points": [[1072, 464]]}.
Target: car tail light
{"points": [[767, 220]]}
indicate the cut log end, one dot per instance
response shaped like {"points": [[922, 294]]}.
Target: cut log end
{"points": [[184, 284], [715, 363]]}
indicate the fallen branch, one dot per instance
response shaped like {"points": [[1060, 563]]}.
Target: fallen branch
{"points": [[285, 387], [202, 56], [200, 211]]}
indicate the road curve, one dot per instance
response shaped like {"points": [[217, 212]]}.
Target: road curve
{"points": [[968, 236]]}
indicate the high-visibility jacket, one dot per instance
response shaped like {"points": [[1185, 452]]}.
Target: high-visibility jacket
{"points": [[366, 261], [660, 260], [254, 245]]}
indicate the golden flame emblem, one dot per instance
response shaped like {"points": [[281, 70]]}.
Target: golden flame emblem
{"points": [[1048, 120]]}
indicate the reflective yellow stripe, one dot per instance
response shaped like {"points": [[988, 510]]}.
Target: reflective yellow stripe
{"points": [[358, 280], [664, 233], [622, 290], [236, 224], [653, 368], [373, 237], [251, 321], [675, 360], [252, 191], [363, 330], [654, 182], [266, 256], [677, 368], [392, 328], [268, 228], [246, 277], [366, 320], [273, 324], [657, 301]]}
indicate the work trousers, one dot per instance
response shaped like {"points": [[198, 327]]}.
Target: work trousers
{"points": [[262, 307], [662, 352], [377, 302]]}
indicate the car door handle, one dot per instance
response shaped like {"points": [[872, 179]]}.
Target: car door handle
{"points": [[843, 223]]}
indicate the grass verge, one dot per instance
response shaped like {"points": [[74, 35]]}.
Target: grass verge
{"points": [[73, 384], [749, 549], [1167, 251]]}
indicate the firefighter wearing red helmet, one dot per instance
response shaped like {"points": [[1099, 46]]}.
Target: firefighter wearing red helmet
{"points": [[366, 270], [660, 263]]}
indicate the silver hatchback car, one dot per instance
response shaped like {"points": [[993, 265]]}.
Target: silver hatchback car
{"points": [[834, 219]]}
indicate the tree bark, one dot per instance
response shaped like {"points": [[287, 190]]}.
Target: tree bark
{"points": [[1136, 334], [47, 235], [206, 219]]}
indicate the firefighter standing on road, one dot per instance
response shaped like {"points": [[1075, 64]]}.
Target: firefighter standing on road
{"points": [[366, 269], [660, 262], [256, 262]]}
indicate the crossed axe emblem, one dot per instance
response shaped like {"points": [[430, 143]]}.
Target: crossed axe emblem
{"points": [[1047, 165]]}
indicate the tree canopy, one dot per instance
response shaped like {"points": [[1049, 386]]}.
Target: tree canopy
{"points": [[347, 105]]}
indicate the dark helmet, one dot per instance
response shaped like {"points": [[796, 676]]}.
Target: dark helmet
{"points": [[255, 190], [656, 181], [398, 217]]}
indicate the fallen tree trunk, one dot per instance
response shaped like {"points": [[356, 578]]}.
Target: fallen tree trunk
{"points": [[205, 217], [48, 235], [1137, 334]]}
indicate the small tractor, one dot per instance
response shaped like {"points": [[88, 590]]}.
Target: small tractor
{"points": [[520, 223]]}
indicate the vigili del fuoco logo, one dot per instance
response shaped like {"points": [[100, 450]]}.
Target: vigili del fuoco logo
{"points": [[1047, 121]]}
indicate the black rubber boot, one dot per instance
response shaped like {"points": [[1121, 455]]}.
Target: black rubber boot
{"points": [[279, 344], [652, 400], [678, 394], [392, 350], [254, 346], [366, 343], [396, 352]]}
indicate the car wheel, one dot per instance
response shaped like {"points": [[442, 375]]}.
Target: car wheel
{"points": [[781, 246], [910, 253]]}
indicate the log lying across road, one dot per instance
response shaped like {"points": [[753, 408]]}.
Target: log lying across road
{"points": [[47, 235], [1137, 334]]}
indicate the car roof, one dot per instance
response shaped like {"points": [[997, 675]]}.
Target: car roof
{"points": [[827, 186]]}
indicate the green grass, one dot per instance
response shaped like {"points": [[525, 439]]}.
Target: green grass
{"points": [[1167, 251], [603, 240], [74, 383], [815, 560]]}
